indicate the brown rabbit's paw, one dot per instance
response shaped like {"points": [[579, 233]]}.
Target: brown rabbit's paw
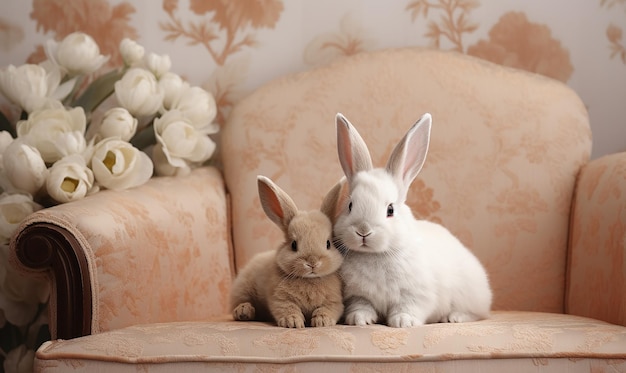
{"points": [[322, 319], [244, 312], [291, 321]]}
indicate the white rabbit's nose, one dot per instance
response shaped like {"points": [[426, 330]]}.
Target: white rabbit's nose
{"points": [[364, 234], [363, 230]]}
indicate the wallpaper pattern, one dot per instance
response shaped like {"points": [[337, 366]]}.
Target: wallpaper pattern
{"points": [[233, 46]]}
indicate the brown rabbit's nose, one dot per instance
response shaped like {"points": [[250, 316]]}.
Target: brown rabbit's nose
{"points": [[313, 263]]}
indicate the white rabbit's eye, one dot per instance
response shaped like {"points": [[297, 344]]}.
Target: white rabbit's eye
{"points": [[328, 244], [294, 246], [350, 206], [390, 210]]}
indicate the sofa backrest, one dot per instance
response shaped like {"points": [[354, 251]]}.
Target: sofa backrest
{"points": [[505, 150]]}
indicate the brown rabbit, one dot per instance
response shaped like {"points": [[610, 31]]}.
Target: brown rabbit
{"points": [[298, 284]]}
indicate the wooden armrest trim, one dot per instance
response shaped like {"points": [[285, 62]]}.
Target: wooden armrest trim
{"points": [[48, 247]]}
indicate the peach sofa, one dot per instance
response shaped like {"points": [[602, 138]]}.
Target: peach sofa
{"points": [[141, 277]]}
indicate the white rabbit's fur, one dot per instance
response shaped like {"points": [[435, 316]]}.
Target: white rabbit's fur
{"points": [[404, 272]]}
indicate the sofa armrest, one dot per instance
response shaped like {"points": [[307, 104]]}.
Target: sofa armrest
{"points": [[597, 257], [156, 253]]}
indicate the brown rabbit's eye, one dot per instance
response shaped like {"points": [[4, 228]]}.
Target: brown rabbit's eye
{"points": [[328, 244], [350, 206], [294, 246], [390, 210]]}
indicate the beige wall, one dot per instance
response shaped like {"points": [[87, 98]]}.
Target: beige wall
{"points": [[233, 46]]}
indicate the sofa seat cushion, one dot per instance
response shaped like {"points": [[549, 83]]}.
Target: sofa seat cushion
{"points": [[507, 341]]}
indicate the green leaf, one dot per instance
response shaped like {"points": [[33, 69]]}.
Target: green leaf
{"points": [[144, 138], [5, 125], [98, 90], [78, 81]]}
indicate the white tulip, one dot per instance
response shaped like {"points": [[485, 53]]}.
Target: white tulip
{"points": [[24, 167], [158, 65], [20, 296], [13, 209], [180, 140], [131, 51], [172, 86], [138, 92], [77, 54], [5, 185], [5, 140], [162, 165], [29, 86], [117, 122], [19, 360], [117, 165], [55, 132], [70, 179], [199, 106], [66, 87]]}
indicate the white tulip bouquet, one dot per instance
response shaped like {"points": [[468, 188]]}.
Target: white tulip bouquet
{"points": [[78, 132]]}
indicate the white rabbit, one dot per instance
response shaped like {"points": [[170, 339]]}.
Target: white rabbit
{"points": [[298, 283], [397, 269]]}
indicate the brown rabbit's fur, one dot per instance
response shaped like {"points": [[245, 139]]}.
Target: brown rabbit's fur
{"points": [[294, 286]]}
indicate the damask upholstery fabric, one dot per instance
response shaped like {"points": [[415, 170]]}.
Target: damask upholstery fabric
{"points": [[597, 269], [506, 147], [509, 341], [152, 240]]}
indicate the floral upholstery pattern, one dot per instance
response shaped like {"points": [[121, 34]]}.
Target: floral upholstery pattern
{"points": [[597, 268], [150, 240], [505, 150], [512, 341]]}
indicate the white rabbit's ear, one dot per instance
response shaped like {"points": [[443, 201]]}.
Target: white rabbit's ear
{"points": [[353, 153], [409, 155], [278, 206], [335, 200]]}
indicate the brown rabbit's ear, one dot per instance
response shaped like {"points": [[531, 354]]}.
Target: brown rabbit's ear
{"points": [[278, 206], [335, 200], [353, 153]]}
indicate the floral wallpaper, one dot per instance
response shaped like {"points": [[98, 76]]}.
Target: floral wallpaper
{"points": [[231, 47]]}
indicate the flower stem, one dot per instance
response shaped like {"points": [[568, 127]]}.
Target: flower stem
{"points": [[144, 138], [72, 94], [99, 90]]}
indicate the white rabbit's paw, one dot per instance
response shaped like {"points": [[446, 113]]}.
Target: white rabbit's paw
{"points": [[459, 317], [361, 317], [244, 311], [403, 320], [291, 321]]}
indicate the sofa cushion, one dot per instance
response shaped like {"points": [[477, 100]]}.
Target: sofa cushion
{"points": [[508, 341], [506, 147]]}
